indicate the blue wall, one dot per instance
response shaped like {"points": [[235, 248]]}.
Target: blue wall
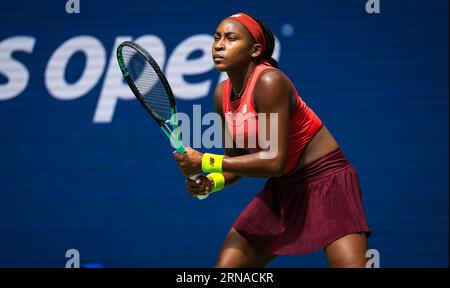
{"points": [[110, 188]]}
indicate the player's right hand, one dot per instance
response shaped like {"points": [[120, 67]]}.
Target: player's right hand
{"points": [[201, 186]]}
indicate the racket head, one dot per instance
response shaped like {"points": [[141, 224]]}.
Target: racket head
{"points": [[146, 81], [151, 88]]}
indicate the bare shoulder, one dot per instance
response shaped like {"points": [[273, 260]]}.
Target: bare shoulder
{"points": [[218, 90], [273, 78], [272, 87]]}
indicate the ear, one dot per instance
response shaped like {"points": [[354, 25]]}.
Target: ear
{"points": [[256, 51]]}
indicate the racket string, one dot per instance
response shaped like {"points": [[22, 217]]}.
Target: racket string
{"points": [[147, 82]]}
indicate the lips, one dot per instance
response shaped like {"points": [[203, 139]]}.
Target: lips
{"points": [[217, 57]]}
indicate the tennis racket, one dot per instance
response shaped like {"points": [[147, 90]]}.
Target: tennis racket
{"points": [[153, 91]]}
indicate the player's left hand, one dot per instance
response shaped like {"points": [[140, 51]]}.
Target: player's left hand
{"points": [[190, 163]]}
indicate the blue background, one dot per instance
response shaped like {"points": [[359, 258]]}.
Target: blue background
{"points": [[112, 191]]}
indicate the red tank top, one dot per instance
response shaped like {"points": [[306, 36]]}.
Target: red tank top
{"points": [[242, 120]]}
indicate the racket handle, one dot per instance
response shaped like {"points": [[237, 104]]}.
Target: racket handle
{"points": [[178, 144], [199, 197], [182, 150]]}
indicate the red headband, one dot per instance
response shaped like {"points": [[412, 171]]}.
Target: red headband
{"points": [[252, 26]]}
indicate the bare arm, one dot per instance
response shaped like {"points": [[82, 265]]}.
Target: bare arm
{"points": [[202, 183], [271, 95], [230, 178]]}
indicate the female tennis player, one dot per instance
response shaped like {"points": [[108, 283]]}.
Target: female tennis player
{"points": [[312, 199]]}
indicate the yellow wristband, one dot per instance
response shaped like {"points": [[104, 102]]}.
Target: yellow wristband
{"points": [[212, 163], [218, 181]]}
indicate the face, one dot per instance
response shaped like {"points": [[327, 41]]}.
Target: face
{"points": [[233, 46]]}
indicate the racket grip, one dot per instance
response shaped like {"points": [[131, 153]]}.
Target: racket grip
{"points": [[182, 150], [199, 197], [178, 144]]}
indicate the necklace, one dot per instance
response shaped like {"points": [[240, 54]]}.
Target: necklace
{"points": [[238, 95]]}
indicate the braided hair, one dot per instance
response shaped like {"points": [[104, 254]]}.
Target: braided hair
{"points": [[270, 43]]}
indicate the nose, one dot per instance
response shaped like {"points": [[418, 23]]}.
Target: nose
{"points": [[218, 45]]}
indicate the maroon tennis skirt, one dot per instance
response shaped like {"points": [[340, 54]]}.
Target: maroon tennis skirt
{"points": [[306, 210]]}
